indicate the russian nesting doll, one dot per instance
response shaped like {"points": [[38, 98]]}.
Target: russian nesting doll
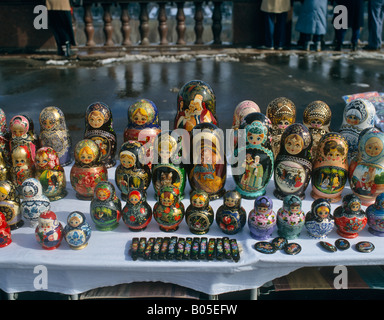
{"points": [[290, 218], [375, 215], [54, 134], [317, 118], [5, 232], [5, 173], [330, 167], [196, 103], [293, 167], [359, 114], [137, 213], [77, 232], [262, 219], [199, 214], [4, 137], [282, 113], [131, 172], [50, 173], [209, 165], [319, 221], [231, 216], [87, 170], [49, 231], [34, 202], [10, 204], [23, 134], [242, 110], [99, 128], [23, 166]]}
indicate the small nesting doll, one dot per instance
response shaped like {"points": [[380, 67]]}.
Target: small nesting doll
{"points": [[199, 214], [231, 216], [319, 221], [132, 172], [54, 134], [290, 218], [317, 118], [293, 168], [34, 201], [282, 113], [87, 170], [358, 115], [105, 207], [242, 110], [10, 204], [137, 213], [23, 134], [49, 231], [22, 165], [77, 232], [262, 219], [4, 137], [5, 232], [99, 128], [168, 210], [50, 173], [375, 215]]}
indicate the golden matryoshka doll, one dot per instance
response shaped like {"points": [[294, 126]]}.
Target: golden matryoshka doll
{"points": [[99, 128], [282, 113], [54, 134], [330, 167], [317, 118], [88, 170], [22, 133], [5, 173], [23, 166], [10, 204], [50, 173]]}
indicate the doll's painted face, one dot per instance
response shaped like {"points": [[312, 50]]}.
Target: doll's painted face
{"points": [[167, 199], [102, 194], [353, 119], [18, 129], [230, 202], [295, 208], [48, 123], [284, 122], [3, 194], [208, 156], [86, 155], [134, 199], [316, 123], [254, 138], [41, 160], [127, 161], [96, 119], [165, 150], [322, 212], [140, 117], [262, 209], [198, 201], [74, 222], [20, 158], [355, 206], [294, 144], [373, 146]]}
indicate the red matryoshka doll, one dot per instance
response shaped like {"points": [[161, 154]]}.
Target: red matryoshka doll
{"points": [[99, 128], [22, 133], [22, 165], [10, 205], [209, 165], [87, 171], [49, 232], [196, 103], [330, 167], [50, 173], [137, 213], [293, 167], [5, 232]]}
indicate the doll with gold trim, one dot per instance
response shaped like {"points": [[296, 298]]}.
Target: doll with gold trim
{"points": [[10, 204], [23, 166]]}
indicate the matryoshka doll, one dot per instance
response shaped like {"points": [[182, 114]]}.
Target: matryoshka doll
{"points": [[23, 134], [209, 166], [4, 137], [330, 167], [137, 213], [243, 109], [262, 219], [99, 128], [319, 221], [54, 134], [87, 170], [282, 113], [49, 231], [231, 216], [290, 218], [77, 232], [131, 172], [10, 205], [5, 232], [23, 166], [105, 207], [50, 173], [293, 168], [375, 215], [199, 214], [168, 210], [5, 173]]}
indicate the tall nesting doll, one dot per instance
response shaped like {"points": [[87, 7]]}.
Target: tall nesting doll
{"points": [[23, 166]]}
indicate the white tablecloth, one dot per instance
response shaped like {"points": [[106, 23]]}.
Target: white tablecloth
{"points": [[105, 261]]}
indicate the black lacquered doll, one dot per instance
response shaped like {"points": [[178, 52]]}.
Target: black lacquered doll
{"points": [[231, 216], [137, 213], [199, 214]]}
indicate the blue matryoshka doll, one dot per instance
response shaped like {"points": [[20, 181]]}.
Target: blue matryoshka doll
{"points": [[77, 232]]}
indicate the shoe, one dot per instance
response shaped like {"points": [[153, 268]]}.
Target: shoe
{"points": [[354, 47], [67, 50], [369, 48], [318, 46], [307, 46]]}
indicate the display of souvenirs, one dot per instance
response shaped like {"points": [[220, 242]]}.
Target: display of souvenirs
{"points": [[137, 213], [4, 137], [199, 214], [359, 114], [350, 218], [209, 169], [87, 170], [262, 219], [49, 231], [196, 103], [5, 232], [282, 113], [34, 202], [10, 205], [168, 210], [131, 173], [293, 168], [317, 118], [231, 216], [366, 170], [50, 173], [319, 221], [23, 134], [22, 165], [105, 207], [5, 173], [330, 167], [168, 170], [99, 128], [375, 215], [77, 232], [290, 218], [242, 110]]}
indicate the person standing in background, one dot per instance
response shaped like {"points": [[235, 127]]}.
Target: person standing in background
{"points": [[375, 24]]}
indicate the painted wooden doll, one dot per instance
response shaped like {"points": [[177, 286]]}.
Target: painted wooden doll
{"points": [[199, 214], [319, 221], [290, 218], [293, 168], [87, 170], [231, 216], [10, 204], [209, 168], [4, 137], [375, 215], [23, 134], [137, 213], [105, 207], [282, 113], [77, 232], [242, 110], [54, 134], [262, 219], [131, 173], [23, 166], [330, 167], [5, 172], [99, 128], [49, 231], [5, 232]]}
